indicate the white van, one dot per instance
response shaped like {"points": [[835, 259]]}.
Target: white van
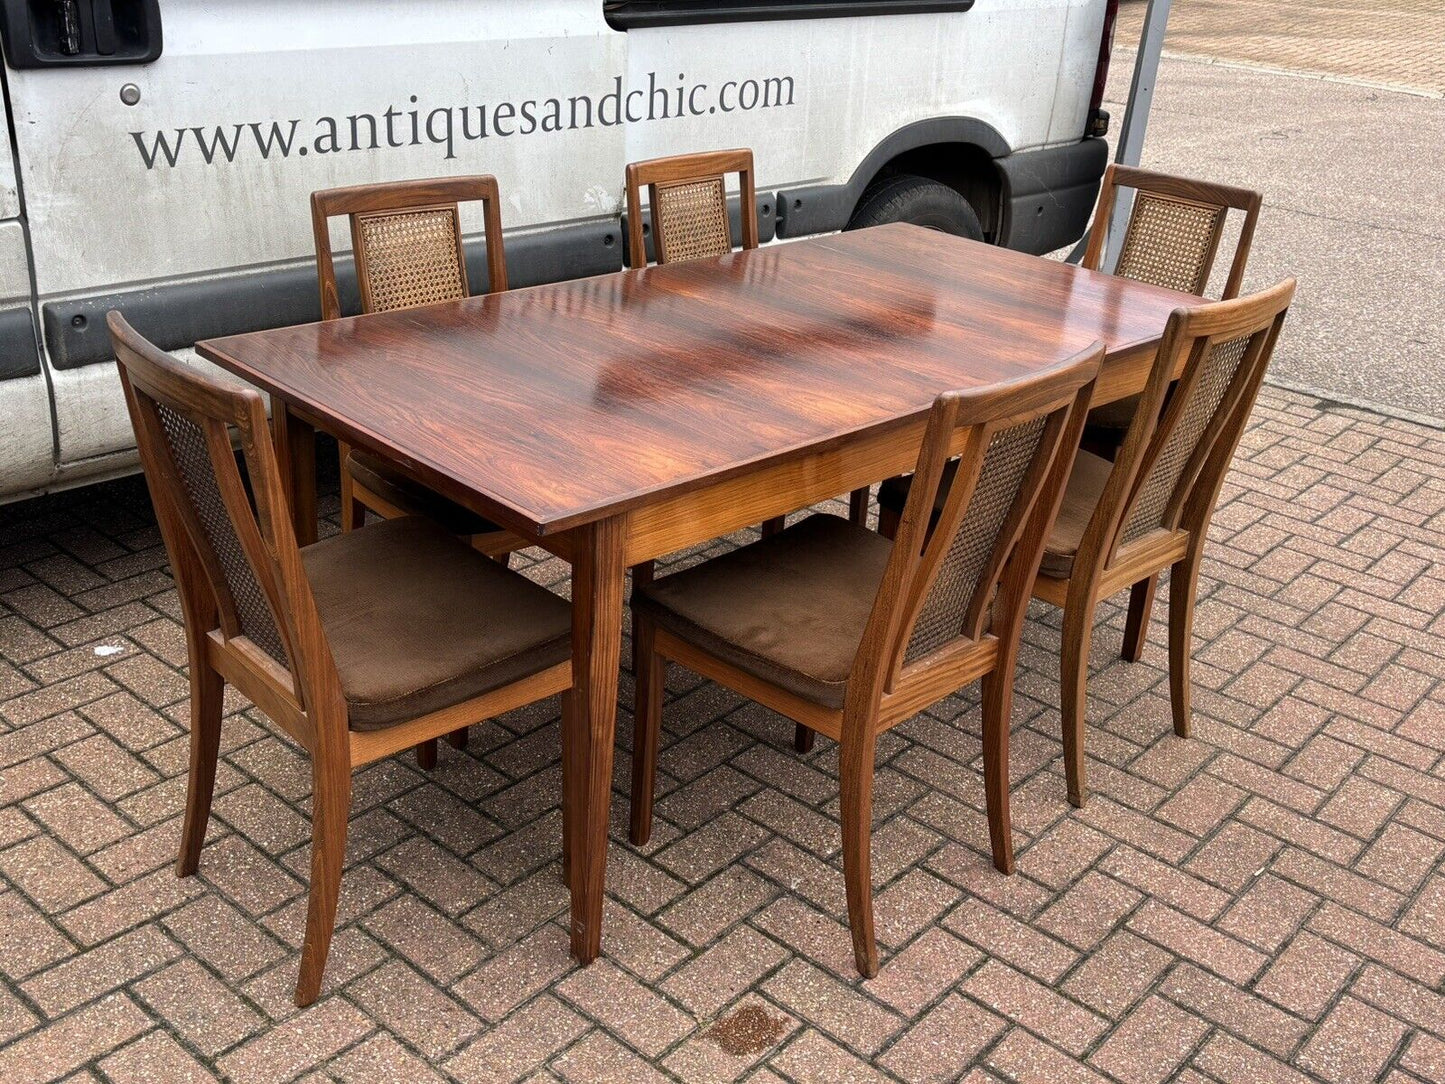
{"points": [[161, 152]]}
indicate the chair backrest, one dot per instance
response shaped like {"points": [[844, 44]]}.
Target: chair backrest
{"points": [[687, 200], [943, 589], [1168, 471], [406, 238], [1174, 229], [233, 553]]}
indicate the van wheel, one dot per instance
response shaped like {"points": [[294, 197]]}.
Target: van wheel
{"points": [[924, 202]]}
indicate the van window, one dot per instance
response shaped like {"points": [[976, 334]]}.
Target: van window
{"points": [[630, 14]]}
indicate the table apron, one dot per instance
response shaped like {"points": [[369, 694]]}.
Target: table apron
{"points": [[681, 520], [1125, 374], [686, 519]]}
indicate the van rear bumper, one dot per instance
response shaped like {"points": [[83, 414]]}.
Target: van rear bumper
{"points": [[1047, 195]]}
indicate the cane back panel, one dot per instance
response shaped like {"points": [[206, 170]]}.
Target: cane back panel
{"points": [[961, 575], [1171, 242], [690, 220], [410, 257], [186, 444], [1220, 366]]}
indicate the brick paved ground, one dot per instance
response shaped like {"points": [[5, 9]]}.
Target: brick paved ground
{"points": [[1265, 902], [1392, 42]]}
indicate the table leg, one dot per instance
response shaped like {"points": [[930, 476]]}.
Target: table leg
{"points": [[295, 442], [589, 728]]}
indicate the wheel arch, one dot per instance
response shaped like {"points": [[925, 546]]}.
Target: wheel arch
{"points": [[956, 151]]}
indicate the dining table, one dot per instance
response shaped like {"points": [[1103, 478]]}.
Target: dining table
{"points": [[621, 418]]}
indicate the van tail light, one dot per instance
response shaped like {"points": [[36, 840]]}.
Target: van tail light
{"points": [[1098, 119]]}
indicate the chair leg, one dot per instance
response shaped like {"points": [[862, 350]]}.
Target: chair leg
{"points": [[858, 506], [888, 521], [353, 512], [330, 807], [1074, 664], [804, 738], [997, 709], [647, 728], [642, 575], [569, 800], [207, 691], [774, 525], [426, 754], [1136, 626], [457, 739], [1183, 580], [855, 765]]}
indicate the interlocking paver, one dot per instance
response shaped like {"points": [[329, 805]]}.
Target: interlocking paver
{"points": [[1151, 1045], [1306, 977], [72, 1041], [526, 1040], [198, 1006], [155, 1057], [304, 1040], [100, 970], [946, 1036], [1263, 901], [727, 969], [1234, 1010], [1353, 1043]]}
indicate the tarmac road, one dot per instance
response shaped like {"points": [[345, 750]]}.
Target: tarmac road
{"points": [[1353, 176]]}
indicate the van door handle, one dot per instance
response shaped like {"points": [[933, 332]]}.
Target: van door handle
{"points": [[104, 16], [69, 27], [79, 33]]}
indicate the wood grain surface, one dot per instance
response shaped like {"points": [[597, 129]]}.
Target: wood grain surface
{"points": [[551, 407]]}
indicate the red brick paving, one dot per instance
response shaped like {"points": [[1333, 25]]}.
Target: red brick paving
{"points": [[1263, 902]]}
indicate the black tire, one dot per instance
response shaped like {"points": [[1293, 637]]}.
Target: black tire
{"points": [[924, 202]]}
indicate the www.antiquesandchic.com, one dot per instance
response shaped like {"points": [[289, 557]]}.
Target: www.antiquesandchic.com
{"points": [[444, 126]]}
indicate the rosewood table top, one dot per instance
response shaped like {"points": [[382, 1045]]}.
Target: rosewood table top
{"points": [[562, 404]]}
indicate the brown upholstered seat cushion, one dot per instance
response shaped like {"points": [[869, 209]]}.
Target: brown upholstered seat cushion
{"points": [[1081, 497], [419, 621], [389, 482], [790, 609]]}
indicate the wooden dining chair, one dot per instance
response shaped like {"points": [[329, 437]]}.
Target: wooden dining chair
{"points": [[1174, 230], [356, 647], [848, 633], [1172, 239], [1122, 523], [688, 206], [407, 243]]}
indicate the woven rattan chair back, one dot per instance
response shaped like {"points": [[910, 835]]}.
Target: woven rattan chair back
{"points": [[938, 595], [230, 541], [406, 239], [1174, 229], [687, 201], [1168, 471]]}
